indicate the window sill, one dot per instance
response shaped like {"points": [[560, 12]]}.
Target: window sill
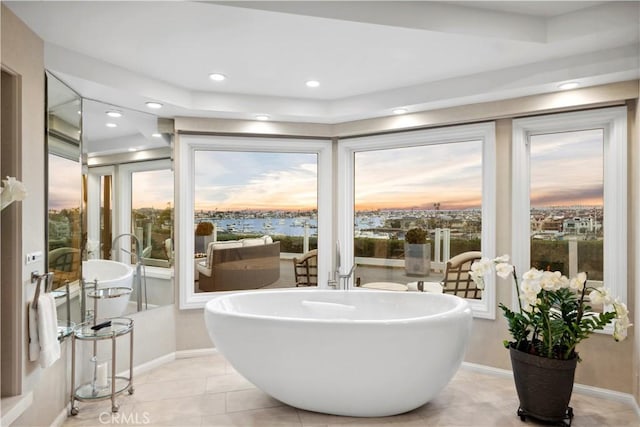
{"points": [[157, 272], [13, 407]]}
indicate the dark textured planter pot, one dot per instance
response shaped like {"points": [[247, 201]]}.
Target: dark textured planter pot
{"points": [[544, 385]]}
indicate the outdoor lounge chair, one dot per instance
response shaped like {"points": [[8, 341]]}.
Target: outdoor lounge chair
{"points": [[306, 269], [457, 280]]}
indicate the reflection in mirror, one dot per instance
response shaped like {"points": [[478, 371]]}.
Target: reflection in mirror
{"points": [[129, 227], [64, 189], [110, 206], [64, 195]]}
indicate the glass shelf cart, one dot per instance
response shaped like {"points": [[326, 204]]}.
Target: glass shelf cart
{"points": [[103, 384]]}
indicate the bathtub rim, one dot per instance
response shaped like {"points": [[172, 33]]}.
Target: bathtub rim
{"points": [[130, 271], [461, 307]]}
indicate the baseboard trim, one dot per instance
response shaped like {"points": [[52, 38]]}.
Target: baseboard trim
{"points": [[13, 407], [489, 370], [197, 352], [152, 364], [601, 393], [62, 416]]}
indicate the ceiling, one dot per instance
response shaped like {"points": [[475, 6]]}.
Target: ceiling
{"points": [[369, 57]]}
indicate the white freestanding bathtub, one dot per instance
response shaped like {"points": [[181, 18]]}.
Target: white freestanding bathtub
{"points": [[355, 353], [110, 274]]}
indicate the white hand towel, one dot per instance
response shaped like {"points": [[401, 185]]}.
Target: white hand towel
{"points": [[48, 330], [34, 342]]}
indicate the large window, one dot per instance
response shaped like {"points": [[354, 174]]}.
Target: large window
{"points": [[247, 206], [265, 201], [567, 205], [569, 195], [441, 181]]}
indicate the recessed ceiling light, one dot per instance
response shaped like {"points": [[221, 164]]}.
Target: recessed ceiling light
{"points": [[79, 112], [156, 135], [133, 149], [262, 117], [400, 110], [569, 85], [312, 83], [111, 125], [114, 113], [217, 77], [154, 105]]}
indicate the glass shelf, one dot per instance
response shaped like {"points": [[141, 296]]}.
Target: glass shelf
{"points": [[65, 328], [86, 391], [119, 326], [114, 292]]}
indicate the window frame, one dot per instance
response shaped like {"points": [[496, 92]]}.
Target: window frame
{"points": [[122, 217], [613, 121], [94, 195], [484, 132], [186, 147]]}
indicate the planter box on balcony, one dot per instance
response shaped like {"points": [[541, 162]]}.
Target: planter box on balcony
{"points": [[417, 259]]}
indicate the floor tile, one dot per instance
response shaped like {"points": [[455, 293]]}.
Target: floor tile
{"points": [[283, 416], [227, 382], [188, 368], [163, 411], [207, 391], [169, 389], [244, 400]]}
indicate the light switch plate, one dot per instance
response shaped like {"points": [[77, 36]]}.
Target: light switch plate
{"points": [[33, 257]]}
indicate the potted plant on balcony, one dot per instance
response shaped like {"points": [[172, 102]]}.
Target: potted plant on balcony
{"points": [[204, 230], [553, 316], [417, 253]]}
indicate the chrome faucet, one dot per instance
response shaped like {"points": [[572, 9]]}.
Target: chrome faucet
{"points": [[345, 277], [139, 265], [337, 280], [138, 253]]}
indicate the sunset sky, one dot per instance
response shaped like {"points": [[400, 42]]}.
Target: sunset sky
{"points": [[152, 189], [64, 183], [248, 180], [566, 169], [449, 174]]}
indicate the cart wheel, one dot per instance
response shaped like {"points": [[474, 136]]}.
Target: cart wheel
{"points": [[131, 390], [115, 407], [521, 415], [74, 410]]}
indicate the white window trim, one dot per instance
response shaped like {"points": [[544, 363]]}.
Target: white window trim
{"points": [[94, 196], [187, 145], [485, 132], [614, 123], [122, 211]]}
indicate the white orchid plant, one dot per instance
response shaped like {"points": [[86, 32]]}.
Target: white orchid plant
{"points": [[11, 191], [554, 314]]}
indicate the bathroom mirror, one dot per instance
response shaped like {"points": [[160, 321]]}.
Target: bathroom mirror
{"points": [[128, 176], [64, 181], [64, 195], [110, 180]]}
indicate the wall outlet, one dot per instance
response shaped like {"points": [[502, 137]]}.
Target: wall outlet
{"points": [[33, 257]]}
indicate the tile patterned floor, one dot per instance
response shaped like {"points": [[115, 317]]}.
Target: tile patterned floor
{"points": [[207, 391]]}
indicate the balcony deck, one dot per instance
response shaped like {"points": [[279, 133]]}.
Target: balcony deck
{"points": [[366, 273]]}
